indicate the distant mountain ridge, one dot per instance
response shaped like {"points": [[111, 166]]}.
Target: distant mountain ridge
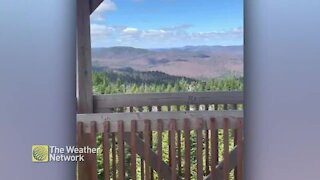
{"points": [[194, 62], [129, 76]]}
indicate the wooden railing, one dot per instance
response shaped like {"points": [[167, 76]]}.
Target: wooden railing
{"points": [[140, 125], [157, 101]]}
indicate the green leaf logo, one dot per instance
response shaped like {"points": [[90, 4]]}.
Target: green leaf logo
{"points": [[40, 153]]}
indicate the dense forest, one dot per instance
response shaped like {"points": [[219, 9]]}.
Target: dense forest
{"points": [[109, 83], [119, 83], [131, 76]]}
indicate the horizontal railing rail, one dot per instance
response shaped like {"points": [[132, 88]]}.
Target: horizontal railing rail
{"points": [[103, 103], [166, 117]]}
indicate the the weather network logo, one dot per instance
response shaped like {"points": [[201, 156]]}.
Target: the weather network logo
{"points": [[40, 153], [47, 153]]}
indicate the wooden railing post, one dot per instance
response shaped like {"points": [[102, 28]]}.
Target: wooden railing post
{"points": [[84, 82]]}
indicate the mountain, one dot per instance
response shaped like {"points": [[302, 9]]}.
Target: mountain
{"points": [[195, 62], [129, 76]]}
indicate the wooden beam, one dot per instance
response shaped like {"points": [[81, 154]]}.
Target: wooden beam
{"points": [[113, 118], [102, 103], [84, 81], [94, 5], [84, 84], [218, 174], [165, 172]]}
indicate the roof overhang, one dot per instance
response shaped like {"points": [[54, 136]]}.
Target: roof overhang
{"points": [[94, 4]]}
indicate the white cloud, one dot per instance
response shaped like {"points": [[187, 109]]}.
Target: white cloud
{"points": [[130, 30], [179, 27], [100, 34], [238, 30], [153, 33], [100, 30], [103, 35], [105, 6]]}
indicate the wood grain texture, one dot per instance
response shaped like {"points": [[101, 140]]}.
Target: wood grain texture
{"points": [[84, 80], [214, 145], [206, 152], [218, 173], [199, 148], [114, 157], [84, 88], [92, 158], [226, 149], [165, 116], [159, 148], [102, 102], [106, 151], [165, 172], [240, 150], [179, 152], [173, 149], [133, 150], [82, 175], [187, 145], [121, 164], [147, 149]]}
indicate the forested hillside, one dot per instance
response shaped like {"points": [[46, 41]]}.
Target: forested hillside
{"points": [[131, 76], [111, 82]]}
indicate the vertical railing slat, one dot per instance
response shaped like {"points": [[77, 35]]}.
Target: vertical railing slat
{"points": [[114, 157], [206, 141], [240, 149], [173, 149], [121, 163], [159, 147], [92, 158], [133, 149], [179, 148], [141, 162], [214, 143], [169, 142], [179, 152], [146, 135], [187, 149], [235, 142], [226, 149], [80, 137], [151, 170], [106, 150], [216, 108], [206, 151], [199, 149]]}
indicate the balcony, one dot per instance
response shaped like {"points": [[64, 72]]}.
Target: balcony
{"points": [[192, 135]]}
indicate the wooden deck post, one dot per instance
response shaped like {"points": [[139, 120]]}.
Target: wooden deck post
{"points": [[84, 82]]}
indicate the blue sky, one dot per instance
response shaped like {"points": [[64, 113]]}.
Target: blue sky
{"points": [[167, 23]]}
